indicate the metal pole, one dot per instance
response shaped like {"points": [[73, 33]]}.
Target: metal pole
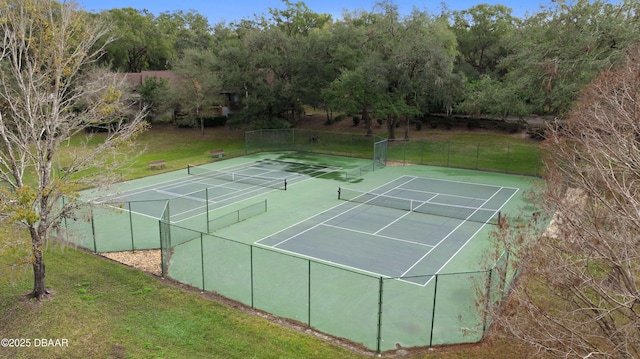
{"points": [[309, 296], [93, 231], [433, 311], [206, 195], [506, 170], [487, 303], [379, 339], [202, 258], [133, 246], [251, 268], [162, 263]]}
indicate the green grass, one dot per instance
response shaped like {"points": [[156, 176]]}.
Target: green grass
{"points": [[482, 151], [107, 310]]}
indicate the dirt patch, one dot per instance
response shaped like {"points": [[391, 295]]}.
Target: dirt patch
{"points": [[144, 260]]}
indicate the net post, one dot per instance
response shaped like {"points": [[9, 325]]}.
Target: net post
{"points": [[285, 184], [188, 169], [339, 191]]}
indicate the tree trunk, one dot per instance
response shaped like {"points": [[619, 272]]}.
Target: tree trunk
{"points": [[406, 128], [329, 114], [39, 289], [367, 121], [391, 128]]}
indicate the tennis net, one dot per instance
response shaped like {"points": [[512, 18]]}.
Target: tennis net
{"points": [[473, 214], [270, 182]]}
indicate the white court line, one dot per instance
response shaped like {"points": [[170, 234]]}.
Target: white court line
{"points": [[468, 240], [316, 215], [320, 260], [375, 235], [176, 181], [450, 233], [126, 210], [399, 218], [242, 193], [441, 194], [411, 178], [465, 182], [319, 224]]}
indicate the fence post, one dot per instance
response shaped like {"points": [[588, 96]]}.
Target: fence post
{"points": [[506, 170], [251, 269], [206, 203], [133, 245], [379, 339], [404, 153], [93, 230], [309, 294], [202, 258], [433, 310], [487, 303], [162, 250]]}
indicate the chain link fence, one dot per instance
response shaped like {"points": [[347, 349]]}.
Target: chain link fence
{"points": [[380, 313]]}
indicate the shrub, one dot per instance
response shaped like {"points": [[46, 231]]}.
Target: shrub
{"points": [[215, 121], [186, 121]]}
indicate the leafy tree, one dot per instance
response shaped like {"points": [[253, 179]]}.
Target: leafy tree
{"points": [[562, 48], [154, 95], [578, 294], [184, 30], [401, 63], [489, 96], [47, 96], [298, 19], [481, 32], [274, 63], [139, 44], [198, 89]]}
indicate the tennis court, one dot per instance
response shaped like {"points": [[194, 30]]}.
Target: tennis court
{"points": [[381, 256], [402, 229], [207, 189]]}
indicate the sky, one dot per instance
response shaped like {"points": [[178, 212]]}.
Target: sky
{"points": [[229, 11]]}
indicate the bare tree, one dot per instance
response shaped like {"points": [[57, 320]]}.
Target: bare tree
{"points": [[48, 95], [578, 296]]}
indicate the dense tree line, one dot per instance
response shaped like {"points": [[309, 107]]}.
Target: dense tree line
{"points": [[380, 63]]}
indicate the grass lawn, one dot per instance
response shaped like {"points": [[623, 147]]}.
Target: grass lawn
{"points": [[106, 310]]}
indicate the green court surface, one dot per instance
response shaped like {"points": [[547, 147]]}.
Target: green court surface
{"points": [[396, 261]]}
